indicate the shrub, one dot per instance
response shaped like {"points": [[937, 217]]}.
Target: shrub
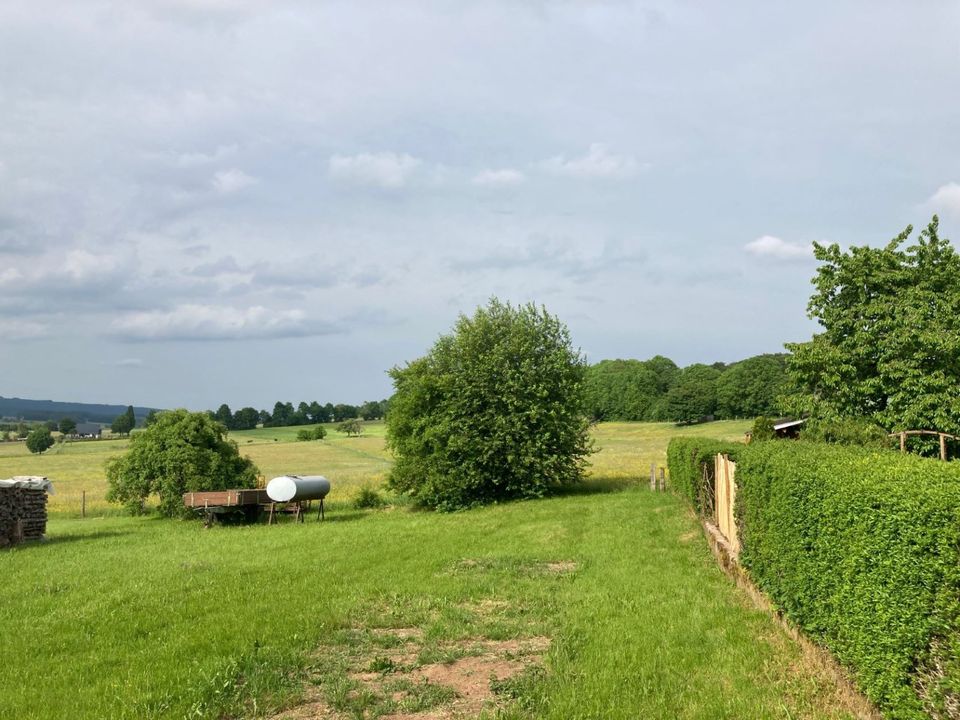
{"points": [[686, 460], [314, 433], [180, 452], [861, 548], [39, 440], [493, 412], [847, 431], [368, 498], [762, 430]]}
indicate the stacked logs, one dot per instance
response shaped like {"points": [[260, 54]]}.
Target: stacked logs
{"points": [[23, 515]]}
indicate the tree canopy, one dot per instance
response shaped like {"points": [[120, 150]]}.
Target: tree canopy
{"points": [[125, 422], [493, 411], [39, 440], [890, 346], [180, 452]]}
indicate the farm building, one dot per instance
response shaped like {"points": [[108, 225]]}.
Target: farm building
{"points": [[23, 509], [88, 429]]}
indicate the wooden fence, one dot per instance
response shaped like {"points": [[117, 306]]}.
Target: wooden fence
{"points": [[726, 494]]}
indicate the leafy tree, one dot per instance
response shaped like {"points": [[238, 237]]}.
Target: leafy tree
{"points": [[124, 423], [150, 419], [39, 440], [752, 387], [68, 426], [493, 411], [762, 430], [224, 416], [695, 394], [317, 412], [342, 412], [245, 418], [265, 418], [371, 410], [890, 346], [181, 452], [350, 427], [51, 425]]}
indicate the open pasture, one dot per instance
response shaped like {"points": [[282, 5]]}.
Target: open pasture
{"points": [[625, 452]]}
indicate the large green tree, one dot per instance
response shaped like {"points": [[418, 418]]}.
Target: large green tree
{"points": [[694, 396], [39, 440], [890, 346], [752, 387], [125, 422], [493, 411], [180, 452]]}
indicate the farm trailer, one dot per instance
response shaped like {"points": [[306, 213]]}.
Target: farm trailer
{"points": [[286, 493]]}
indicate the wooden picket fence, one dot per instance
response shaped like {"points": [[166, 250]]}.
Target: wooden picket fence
{"points": [[726, 495]]}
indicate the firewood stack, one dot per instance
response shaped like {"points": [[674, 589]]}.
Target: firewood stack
{"points": [[23, 509]]}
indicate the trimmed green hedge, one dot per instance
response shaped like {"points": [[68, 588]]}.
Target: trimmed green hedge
{"points": [[861, 549], [685, 458]]}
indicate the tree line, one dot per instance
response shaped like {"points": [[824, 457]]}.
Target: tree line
{"points": [[658, 390], [285, 414]]}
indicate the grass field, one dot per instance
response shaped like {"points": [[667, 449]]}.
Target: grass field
{"points": [[626, 451], [605, 601]]}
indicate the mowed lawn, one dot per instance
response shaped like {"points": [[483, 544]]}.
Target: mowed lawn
{"points": [[118, 617]]}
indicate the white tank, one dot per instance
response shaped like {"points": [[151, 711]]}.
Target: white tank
{"points": [[290, 488]]}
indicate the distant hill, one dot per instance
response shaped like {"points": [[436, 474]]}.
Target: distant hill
{"points": [[53, 410]]}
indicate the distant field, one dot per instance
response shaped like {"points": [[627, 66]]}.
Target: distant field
{"points": [[625, 452]]}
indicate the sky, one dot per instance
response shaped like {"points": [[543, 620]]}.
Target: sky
{"points": [[205, 201]]}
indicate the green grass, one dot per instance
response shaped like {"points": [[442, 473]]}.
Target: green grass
{"points": [[123, 617]]}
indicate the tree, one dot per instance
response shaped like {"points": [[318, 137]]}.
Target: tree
{"points": [[245, 419], [39, 439], [620, 390], [181, 452], [352, 427], [314, 433], [150, 419], [493, 411], [224, 416], [752, 387], [695, 394], [890, 346], [371, 410], [68, 426], [124, 423]]}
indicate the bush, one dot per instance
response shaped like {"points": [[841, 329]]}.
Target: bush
{"points": [[368, 498], [762, 430], [849, 431], [493, 412], [39, 440], [861, 548], [180, 452], [686, 459], [314, 433]]}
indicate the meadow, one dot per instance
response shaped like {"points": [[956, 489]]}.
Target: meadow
{"points": [[609, 591]]}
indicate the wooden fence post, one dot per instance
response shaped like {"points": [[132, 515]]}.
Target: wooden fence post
{"points": [[903, 442], [663, 479], [943, 447], [83, 503], [653, 476]]}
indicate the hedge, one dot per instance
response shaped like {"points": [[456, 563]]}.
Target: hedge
{"points": [[861, 549], [685, 458]]}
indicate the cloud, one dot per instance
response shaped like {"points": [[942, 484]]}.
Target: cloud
{"points": [[227, 182], [499, 178], [129, 363], [774, 247], [213, 322], [946, 199], [199, 159], [17, 329], [597, 163], [385, 170]]}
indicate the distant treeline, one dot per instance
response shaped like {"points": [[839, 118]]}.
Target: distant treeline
{"points": [[22, 409], [657, 390], [285, 414]]}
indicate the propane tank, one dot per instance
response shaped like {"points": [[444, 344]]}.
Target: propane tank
{"points": [[291, 488]]}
